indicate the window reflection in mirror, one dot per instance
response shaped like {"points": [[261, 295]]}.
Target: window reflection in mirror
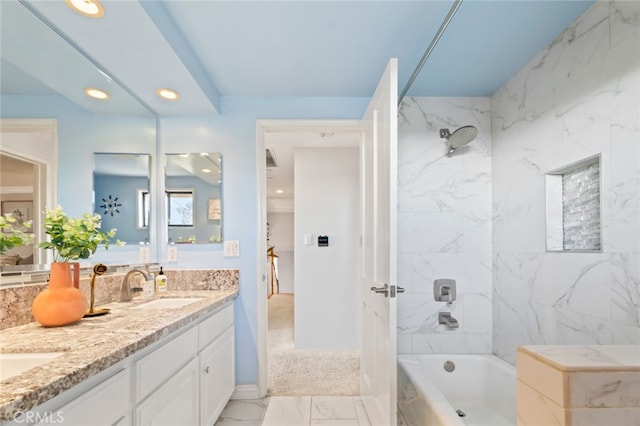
{"points": [[193, 185], [118, 179]]}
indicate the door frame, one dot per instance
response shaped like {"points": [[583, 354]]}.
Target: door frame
{"points": [[42, 152], [263, 127]]}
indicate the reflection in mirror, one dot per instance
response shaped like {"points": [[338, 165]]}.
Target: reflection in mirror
{"points": [[118, 181], [193, 185], [17, 197], [43, 75]]}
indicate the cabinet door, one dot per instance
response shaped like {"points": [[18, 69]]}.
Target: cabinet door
{"points": [[106, 404], [214, 326], [173, 403], [217, 377], [158, 366]]}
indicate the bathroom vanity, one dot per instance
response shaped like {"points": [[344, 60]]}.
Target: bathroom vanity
{"points": [[138, 365]]}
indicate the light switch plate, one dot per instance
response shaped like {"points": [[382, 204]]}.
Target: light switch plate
{"points": [[144, 254], [172, 253], [308, 239], [232, 248]]}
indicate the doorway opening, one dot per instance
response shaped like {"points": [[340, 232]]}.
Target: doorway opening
{"points": [[34, 143], [297, 358]]}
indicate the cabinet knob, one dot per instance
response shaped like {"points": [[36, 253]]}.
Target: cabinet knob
{"points": [[206, 369]]}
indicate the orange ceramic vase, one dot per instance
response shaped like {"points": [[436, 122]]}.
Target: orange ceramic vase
{"points": [[62, 303]]}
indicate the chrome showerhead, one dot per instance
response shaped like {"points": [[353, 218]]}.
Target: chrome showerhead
{"points": [[459, 137]]}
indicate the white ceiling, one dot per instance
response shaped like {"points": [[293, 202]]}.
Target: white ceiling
{"points": [[209, 50]]}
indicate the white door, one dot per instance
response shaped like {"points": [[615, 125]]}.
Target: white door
{"points": [[378, 250]]}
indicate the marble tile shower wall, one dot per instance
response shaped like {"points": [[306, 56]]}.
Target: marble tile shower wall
{"points": [[444, 225], [577, 98]]}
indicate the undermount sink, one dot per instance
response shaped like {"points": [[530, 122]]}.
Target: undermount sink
{"points": [[168, 303], [12, 364]]}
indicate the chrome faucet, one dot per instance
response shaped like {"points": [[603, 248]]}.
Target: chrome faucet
{"points": [[446, 319], [125, 290]]}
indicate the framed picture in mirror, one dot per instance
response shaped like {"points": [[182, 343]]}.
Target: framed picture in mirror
{"points": [[22, 211], [214, 209]]}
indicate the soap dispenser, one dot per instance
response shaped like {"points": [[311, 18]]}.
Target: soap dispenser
{"points": [[161, 281], [148, 288]]}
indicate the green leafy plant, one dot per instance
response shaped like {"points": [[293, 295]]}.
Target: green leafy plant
{"points": [[73, 239], [10, 233]]}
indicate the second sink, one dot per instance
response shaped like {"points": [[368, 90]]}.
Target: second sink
{"points": [[168, 303], [12, 364]]}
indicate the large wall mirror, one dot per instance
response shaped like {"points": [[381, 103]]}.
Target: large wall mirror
{"points": [[121, 194], [43, 75], [193, 197]]}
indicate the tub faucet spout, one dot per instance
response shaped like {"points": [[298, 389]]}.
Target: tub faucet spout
{"points": [[446, 319]]}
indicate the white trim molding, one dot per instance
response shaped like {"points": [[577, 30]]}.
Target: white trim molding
{"points": [[246, 392], [264, 127]]}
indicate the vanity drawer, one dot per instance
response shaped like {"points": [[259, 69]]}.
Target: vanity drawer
{"points": [[155, 368], [211, 328], [106, 404]]}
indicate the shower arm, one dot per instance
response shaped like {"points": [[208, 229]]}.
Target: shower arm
{"points": [[427, 53]]}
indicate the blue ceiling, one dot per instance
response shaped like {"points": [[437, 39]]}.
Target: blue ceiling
{"points": [[212, 49]]}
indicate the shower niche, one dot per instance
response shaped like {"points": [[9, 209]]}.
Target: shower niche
{"points": [[573, 207]]}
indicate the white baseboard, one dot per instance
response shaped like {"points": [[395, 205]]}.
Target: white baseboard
{"points": [[246, 392]]}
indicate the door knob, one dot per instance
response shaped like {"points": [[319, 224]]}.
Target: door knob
{"points": [[384, 290]]}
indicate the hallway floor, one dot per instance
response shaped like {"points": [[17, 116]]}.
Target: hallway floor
{"points": [[297, 372], [306, 387]]}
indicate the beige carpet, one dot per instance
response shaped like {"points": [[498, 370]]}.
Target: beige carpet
{"points": [[295, 372]]}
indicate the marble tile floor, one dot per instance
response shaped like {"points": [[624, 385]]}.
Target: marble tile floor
{"points": [[295, 411]]}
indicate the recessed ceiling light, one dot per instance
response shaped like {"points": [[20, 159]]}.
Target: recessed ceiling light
{"points": [[92, 92], [168, 94], [206, 170], [184, 155], [90, 8], [279, 191]]}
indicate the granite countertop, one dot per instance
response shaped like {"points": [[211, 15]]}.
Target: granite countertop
{"points": [[93, 344], [587, 357]]}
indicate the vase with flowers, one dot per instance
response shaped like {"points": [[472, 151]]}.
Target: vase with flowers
{"points": [[70, 239]]}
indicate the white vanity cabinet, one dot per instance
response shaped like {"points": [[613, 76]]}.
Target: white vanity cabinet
{"points": [[108, 403], [176, 402], [217, 365], [167, 383], [185, 379], [199, 365], [158, 366]]}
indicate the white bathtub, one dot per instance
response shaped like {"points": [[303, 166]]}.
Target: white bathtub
{"points": [[482, 386]]}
